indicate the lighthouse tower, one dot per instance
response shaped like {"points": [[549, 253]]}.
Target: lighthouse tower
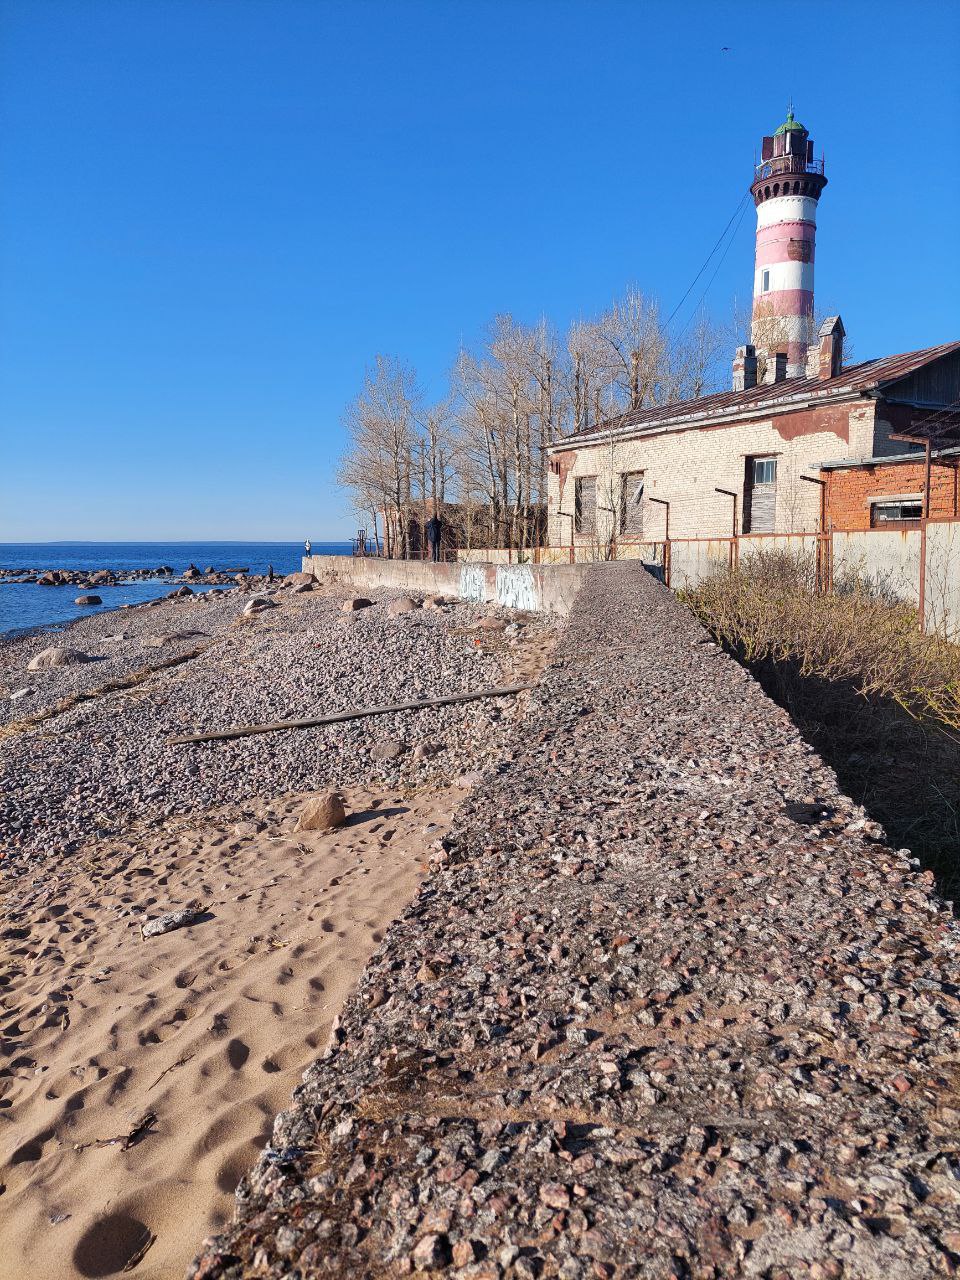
{"points": [[786, 188]]}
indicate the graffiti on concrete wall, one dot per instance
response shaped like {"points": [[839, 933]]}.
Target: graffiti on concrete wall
{"points": [[472, 582], [516, 587]]}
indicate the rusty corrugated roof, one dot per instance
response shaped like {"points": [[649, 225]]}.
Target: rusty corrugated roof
{"points": [[869, 375]]}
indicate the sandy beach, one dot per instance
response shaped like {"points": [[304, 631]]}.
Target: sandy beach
{"points": [[141, 1075]]}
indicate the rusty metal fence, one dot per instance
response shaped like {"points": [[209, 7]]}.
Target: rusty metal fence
{"points": [[920, 565]]}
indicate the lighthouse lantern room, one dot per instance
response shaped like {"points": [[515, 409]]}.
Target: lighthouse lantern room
{"points": [[786, 188]]}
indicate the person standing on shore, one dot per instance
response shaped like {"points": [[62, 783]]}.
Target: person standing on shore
{"points": [[434, 534], [306, 547], [269, 572]]}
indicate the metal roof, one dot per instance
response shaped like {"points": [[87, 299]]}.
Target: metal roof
{"points": [[858, 379], [844, 464]]}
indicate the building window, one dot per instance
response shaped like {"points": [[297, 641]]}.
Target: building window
{"points": [[760, 495], [585, 504], [902, 513], [765, 285], [631, 503]]}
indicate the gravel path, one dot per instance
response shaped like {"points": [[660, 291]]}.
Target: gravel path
{"points": [[666, 1007], [95, 769]]}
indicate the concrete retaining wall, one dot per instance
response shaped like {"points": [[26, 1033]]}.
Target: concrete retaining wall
{"points": [[538, 588], [942, 585]]}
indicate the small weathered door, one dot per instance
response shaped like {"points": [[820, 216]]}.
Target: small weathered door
{"points": [[762, 481]]}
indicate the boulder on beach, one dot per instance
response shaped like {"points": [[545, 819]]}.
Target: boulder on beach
{"points": [[55, 656], [191, 571], [300, 579], [257, 605], [301, 587], [358, 602], [181, 593], [88, 600], [402, 604], [434, 602], [322, 812]]}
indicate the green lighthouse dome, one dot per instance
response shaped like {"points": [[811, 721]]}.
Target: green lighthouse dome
{"points": [[790, 126]]}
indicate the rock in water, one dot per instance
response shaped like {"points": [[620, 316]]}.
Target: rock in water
{"points": [[55, 657], [322, 812], [358, 602], [173, 920], [88, 600], [403, 604]]}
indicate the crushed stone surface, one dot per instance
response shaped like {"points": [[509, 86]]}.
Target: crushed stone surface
{"points": [[105, 764], [667, 1006]]}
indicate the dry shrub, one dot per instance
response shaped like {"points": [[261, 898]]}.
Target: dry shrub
{"points": [[878, 700], [770, 609]]}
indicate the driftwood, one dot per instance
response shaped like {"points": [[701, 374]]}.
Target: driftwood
{"points": [[245, 731]]}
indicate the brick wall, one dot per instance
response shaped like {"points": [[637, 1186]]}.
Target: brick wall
{"points": [[849, 491], [686, 466]]}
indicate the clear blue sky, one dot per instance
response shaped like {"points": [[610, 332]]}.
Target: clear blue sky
{"points": [[214, 212]]}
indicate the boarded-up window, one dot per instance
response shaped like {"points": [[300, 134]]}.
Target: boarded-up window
{"points": [[585, 504], [631, 504], [760, 506]]}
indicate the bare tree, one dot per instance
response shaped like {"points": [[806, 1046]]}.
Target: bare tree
{"points": [[378, 465]]}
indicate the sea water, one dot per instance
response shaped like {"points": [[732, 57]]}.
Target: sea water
{"points": [[25, 605]]}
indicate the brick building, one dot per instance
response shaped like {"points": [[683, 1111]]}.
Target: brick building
{"points": [[749, 460], [888, 493], [744, 460]]}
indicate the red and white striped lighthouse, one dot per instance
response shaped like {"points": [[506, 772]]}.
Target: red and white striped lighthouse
{"points": [[786, 188]]}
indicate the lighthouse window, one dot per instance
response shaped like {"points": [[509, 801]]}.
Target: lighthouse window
{"points": [[766, 282]]}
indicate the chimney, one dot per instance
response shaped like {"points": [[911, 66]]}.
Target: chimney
{"points": [[830, 354], [776, 370], [745, 368]]}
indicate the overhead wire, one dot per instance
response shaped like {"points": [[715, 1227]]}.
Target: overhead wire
{"points": [[714, 276], [706, 261]]}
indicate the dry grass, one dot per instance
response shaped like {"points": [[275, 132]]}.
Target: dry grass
{"points": [[878, 700], [770, 609]]}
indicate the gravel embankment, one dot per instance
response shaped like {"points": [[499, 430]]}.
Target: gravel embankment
{"points": [[105, 763], [655, 1013]]}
